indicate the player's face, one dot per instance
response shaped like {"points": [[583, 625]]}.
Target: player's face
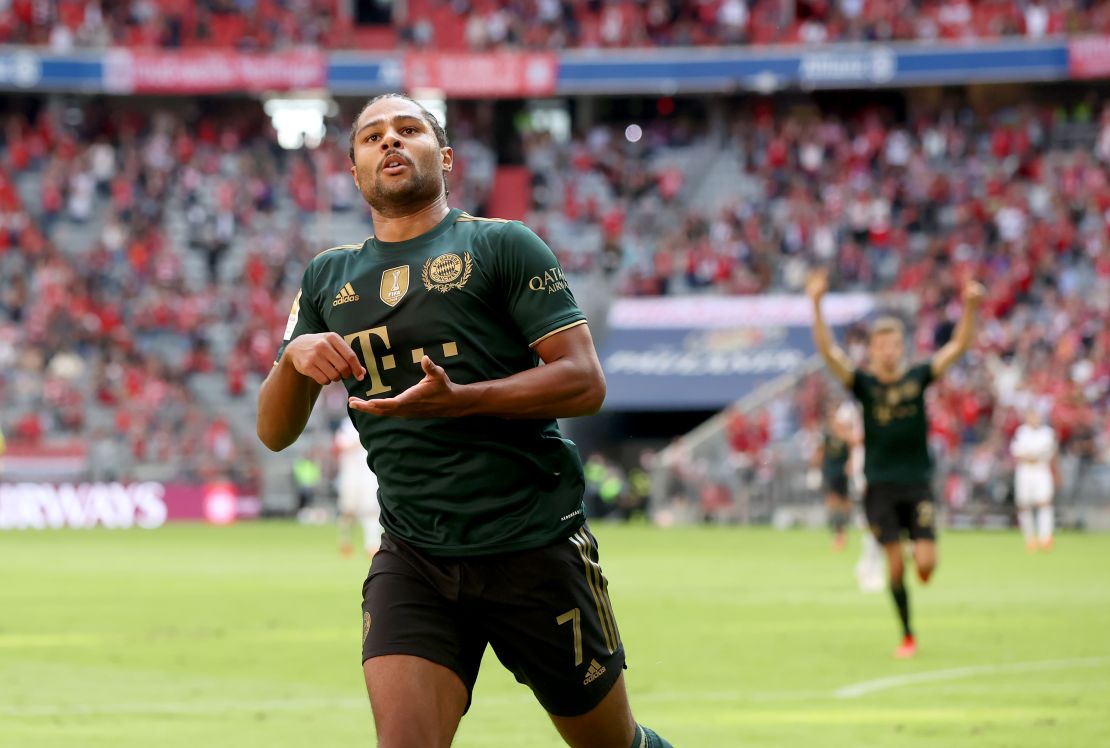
{"points": [[398, 162], [885, 350], [1033, 418]]}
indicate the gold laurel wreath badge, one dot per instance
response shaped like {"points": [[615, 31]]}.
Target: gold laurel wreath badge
{"points": [[425, 275]]}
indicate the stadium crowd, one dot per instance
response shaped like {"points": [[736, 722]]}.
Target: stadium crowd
{"points": [[913, 208], [98, 310], [538, 24], [561, 24], [242, 24]]}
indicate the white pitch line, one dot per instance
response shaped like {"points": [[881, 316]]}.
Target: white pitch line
{"points": [[855, 690]]}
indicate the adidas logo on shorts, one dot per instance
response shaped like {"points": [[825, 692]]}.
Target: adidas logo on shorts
{"points": [[596, 671]]}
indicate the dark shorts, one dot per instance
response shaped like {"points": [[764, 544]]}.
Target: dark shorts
{"points": [[894, 508], [837, 484], [546, 613]]}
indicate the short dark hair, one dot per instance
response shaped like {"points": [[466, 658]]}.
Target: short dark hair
{"points": [[886, 324], [440, 133]]}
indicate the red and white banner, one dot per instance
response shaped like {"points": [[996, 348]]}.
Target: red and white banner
{"points": [[150, 504], [1089, 57], [463, 74], [54, 460], [212, 71]]}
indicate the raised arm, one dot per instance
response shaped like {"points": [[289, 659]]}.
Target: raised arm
{"points": [[835, 358], [951, 351], [289, 391], [570, 383]]}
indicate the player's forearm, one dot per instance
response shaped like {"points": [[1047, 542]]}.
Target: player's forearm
{"points": [[285, 402], [560, 389], [965, 328], [834, 358], [822, 336]]}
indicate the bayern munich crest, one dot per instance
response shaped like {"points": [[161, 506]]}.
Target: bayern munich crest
{"points": [[447, 271]]}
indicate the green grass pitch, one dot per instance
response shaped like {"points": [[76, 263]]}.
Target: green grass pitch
{"points": [[249, 636]]}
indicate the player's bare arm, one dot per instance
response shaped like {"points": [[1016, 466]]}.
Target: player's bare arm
{"points": [[288, 393], [951, 351], [570, 383], [835, 358]]}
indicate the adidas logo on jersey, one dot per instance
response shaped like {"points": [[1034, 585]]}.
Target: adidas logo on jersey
{"points": [[595, 671], [345, 295]]}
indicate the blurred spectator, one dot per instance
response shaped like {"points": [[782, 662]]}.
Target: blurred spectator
{"points": [[307, 475], [605, 485], [536, 24]]}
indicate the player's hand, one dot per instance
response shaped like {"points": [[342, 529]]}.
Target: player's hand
{"points": [[434, 396], [973, 293], [817, 284], [324, 357]]}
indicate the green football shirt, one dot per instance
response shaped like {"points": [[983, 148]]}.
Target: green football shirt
{"points": [[834, 456], [895, 427], [475, 295]]}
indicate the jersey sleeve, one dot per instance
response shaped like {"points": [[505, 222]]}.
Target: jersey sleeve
{"points": [[304, 315], [539, 299], [923, 373]]}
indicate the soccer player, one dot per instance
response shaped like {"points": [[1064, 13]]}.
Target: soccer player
{"points": [[358, 493], [897, 464], [437, 325], [836, 448], [1034, 448]]}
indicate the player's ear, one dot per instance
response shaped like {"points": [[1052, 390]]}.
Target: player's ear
{"points": [[448, 157], [354, 175]]}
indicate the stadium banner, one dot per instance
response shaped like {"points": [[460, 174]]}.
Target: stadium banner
{"points": [[706, 312], [358, 74], [704, 353], [53, 461], [212, 71], [847, 65], [517, 74], [147, 504], [1089, 57], [482, 74], [38, 69]]}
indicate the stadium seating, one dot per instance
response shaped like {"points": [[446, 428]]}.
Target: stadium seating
{"points": [[538, 24]]}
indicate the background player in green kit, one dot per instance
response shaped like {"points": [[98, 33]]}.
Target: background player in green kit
{"points": [[897, 464], [835, 451], [437, 325]]}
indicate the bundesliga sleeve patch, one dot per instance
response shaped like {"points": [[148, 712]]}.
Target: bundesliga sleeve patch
{"points": [[294, 313]]}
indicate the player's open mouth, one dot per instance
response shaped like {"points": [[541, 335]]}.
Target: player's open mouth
{"points": [[394, 165]]}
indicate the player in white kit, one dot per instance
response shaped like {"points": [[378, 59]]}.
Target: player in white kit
{"points": [[1034, 449], [358, 492]]}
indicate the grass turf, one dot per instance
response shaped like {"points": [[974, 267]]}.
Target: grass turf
{"points": [[249, 636]]}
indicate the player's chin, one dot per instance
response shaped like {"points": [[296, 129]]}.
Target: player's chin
{"points": [[403, 181]]}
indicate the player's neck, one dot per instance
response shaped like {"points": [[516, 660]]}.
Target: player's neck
{"points": [[890, 375], [410, 224]]}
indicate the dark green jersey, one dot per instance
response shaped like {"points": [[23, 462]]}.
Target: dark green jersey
{"points": [[475, 295], [834, 456], [895, 429]]}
